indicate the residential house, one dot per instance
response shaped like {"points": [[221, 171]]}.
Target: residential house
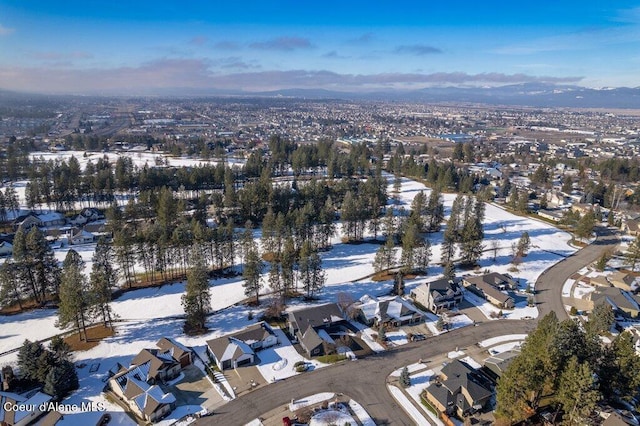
{"points": [[622, 280], [552, 215], [496, 365], [305, 325], [146, 400], [439, 295], [582, 208], [493, 287], [28, 408], [176, 350], [87, 215], [620, 300], [52, 219], [599, 281], [27, 222], [632, 227], [162, 366], [240, 348], [390, 312], [81, 237], [462, 390]]}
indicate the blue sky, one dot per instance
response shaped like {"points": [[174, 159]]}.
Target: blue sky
{"points": [[96, 46]]}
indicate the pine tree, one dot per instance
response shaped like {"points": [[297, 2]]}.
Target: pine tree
{"points": [[601, 319], [310, 270], [44, 266], [196, 300], [60, 380], [10, 286], [405, 379], [434, 211], [101, 282], [74, 304], [449, 271], [287, 266], [385, 256], [409, 243], [28, 356], [251, 274], [422, 255], [524, 243], [585, 225], [577, 392]]}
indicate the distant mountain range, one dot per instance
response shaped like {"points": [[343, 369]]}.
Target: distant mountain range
{"points": [[527, 94]]}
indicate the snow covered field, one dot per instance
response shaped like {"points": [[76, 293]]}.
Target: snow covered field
{"points": [[150, 314]]}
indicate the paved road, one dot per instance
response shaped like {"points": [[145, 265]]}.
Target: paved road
{"points": [[365, 380], [549, 285]]}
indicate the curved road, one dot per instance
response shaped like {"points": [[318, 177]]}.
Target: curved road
{"points": [[365, 380]]}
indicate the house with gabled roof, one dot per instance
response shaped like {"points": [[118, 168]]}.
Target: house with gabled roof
{"points": [[461, 390], [239, 349], [176, 350], [306, 324], [147, 401], [437, 296], [493, 287], [620, 300], [622, 280], [392, 312], [162, 366], [28, 407]]}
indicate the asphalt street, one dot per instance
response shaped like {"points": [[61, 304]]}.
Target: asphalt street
{"points": [[365, 379]]}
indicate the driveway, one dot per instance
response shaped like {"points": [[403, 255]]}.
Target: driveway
{"points": [[195, 389]]}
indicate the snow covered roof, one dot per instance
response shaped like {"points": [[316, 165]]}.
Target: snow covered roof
{"points": [[14, 416]]}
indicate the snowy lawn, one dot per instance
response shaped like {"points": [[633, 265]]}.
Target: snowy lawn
{"points": [[397, 338], [498, 349], [362, 415], [458, 321], [408, 406], [310, 400], [277, 362], [501, 339]]}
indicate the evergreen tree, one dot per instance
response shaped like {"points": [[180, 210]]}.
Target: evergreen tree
{"points": [[196, 300], [385, 256], [101, 282], [43, 264], [405, 379], [524, 243], [577, 392], [409, 244], [60, 349], [74, 303], [422, 255], [252, 269], [28, 356], [601, 319], [310, 270], [10, 286], [61, 378], [434, 211], [287, 266], [449, 271], [585, 225], [471, 242]]}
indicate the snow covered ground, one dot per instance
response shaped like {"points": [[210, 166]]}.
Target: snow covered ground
{"points": [[487, 343], [277, 362], [149, 314]]}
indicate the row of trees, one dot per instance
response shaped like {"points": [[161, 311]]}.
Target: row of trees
{"points": [[567, 365], [84, 301]]}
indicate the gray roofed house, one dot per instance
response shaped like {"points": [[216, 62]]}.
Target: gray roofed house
{"points": [[394, 311], [620, 300], [146, 400], [462, 391], [162, 366], [305, 323], [491, 287], [622, 280], [240, 348], [496, 364], [438, 295], [177, 350]]}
